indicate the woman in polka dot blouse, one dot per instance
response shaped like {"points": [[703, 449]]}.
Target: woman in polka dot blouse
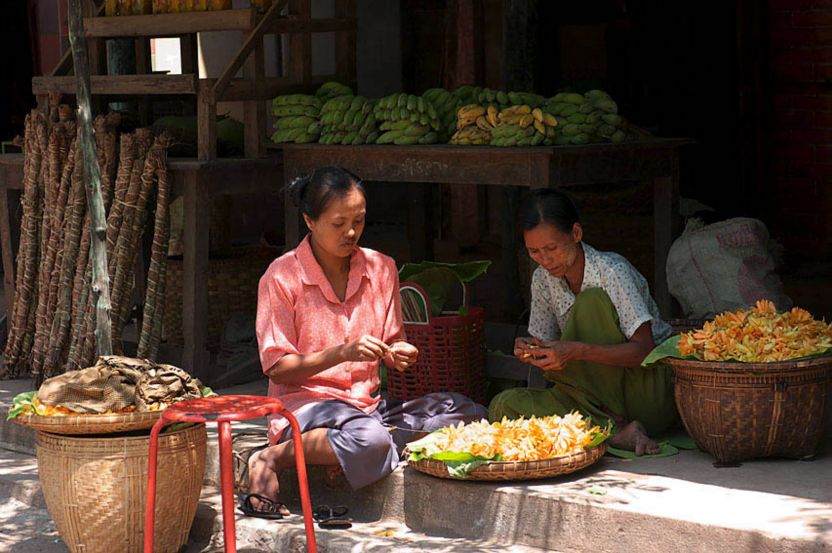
{"points": [[592, 323]]}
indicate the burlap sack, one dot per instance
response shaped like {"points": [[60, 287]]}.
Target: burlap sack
{"points": [[109, 385], [163, 384], [723, 266], [115, 383]]}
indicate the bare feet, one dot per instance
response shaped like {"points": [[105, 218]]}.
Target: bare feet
{"points": [[263, 480], [633, 437]]}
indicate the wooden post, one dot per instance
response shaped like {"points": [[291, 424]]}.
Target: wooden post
{"points": [[92, 182], [197, 204], [519, 36], [667, 226]]}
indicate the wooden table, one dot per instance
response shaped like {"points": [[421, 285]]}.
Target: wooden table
{"points": [[197, 182], [654, 160]]}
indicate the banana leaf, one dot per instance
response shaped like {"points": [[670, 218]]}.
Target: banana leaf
{"points": [[22, 404], [440, 279], [668, 348]]}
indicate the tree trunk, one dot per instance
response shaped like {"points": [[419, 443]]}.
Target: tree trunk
{"points": [[92, 181]]}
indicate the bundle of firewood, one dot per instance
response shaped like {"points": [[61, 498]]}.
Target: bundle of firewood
{"points": [[52, 320]]}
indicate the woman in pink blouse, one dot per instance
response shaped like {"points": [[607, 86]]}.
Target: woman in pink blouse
{"points": [[328, 314]]}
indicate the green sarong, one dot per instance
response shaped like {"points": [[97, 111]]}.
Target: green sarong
{"points": [[602, 392]]}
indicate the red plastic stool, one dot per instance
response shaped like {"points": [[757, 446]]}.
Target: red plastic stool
{"points": [[222, 410]]}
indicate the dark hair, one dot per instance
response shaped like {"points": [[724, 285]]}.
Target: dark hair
{"points": [[547, 205], [313, 193]]}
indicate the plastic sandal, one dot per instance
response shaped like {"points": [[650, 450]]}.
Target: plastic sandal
{"points": [[332, 517], [268, 508]]}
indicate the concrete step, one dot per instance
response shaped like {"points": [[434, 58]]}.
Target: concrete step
{"points": [[288, 535], [19, 479], [671, 504], [27, 529]]}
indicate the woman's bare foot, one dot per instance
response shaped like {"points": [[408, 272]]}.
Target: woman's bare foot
{"points": [[633, 437], [263, 479]]}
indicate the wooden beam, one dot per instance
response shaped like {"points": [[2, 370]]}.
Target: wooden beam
{"points": [[254, 111], [241, 89], [119, 84], [170, 24], [197, 207], [206, 130], [300, 45], [298, 25], [253, 39], [345, 48]]}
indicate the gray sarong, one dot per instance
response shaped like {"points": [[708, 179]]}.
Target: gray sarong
{"points": [[368, 447]]}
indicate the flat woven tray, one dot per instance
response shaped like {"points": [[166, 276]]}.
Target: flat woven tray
{"points": [[90, 424], [518, 470]]}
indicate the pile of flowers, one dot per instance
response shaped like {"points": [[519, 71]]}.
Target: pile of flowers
{"points": [[759, 334], [522, 439]]}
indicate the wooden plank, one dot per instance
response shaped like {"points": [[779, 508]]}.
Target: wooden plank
{"points": [[11, 166], [170, 24], [254, 111], [120, 84], [206, 129], [299, 25], [667, 226], [242, 89], [144, 66], [420, 227], [293, 224], [254, 38], [7, 201], [300, 45], [345, 47], [445, 163], [197, 204]]}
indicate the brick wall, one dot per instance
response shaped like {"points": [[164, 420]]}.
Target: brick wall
{"points": [[800, 43]]}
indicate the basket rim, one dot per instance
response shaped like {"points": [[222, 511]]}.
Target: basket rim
{"points": [[89, 424], [528, 466], [797, 363]]}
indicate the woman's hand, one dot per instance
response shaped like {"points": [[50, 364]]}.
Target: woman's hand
{"points": [[401, 355], [366, 348], [525, 347], [552, 356]]}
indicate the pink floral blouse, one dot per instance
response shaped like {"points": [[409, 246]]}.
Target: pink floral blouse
{"points": [[299, 313]]}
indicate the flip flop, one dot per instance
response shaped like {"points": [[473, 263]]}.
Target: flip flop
{"points": [[665, 450], [268, 508], [332, 517]]}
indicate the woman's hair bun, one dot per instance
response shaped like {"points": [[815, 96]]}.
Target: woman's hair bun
{"points": [[297, 188]]}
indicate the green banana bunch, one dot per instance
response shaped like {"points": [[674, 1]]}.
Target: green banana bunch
{"points": [[348, 120], [414, 116], [586, 118], [332, 89], [297, 118], [446, 106]]}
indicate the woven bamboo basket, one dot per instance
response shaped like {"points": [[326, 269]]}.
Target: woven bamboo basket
{"points": [[738, 411], [232, 288], [95, 488], [519, 470], [90, 424]]}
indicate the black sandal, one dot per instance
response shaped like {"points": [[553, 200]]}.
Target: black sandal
{"points": [[268, 508], [332, 517]]}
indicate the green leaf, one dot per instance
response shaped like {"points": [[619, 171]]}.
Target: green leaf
{"points": [[466, 272], [438, 282], [462, 470], [455, 457], [599, 437], [22, 404], [668, 348], [207, 392]]}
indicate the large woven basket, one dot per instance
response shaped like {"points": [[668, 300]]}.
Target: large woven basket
{"points": [[90, 424], [519, 470], [739, 411], [95, 488], [232, 288], [451, 354]]}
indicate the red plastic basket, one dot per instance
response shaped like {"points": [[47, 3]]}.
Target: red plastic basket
{"points": [[451, 352]]}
